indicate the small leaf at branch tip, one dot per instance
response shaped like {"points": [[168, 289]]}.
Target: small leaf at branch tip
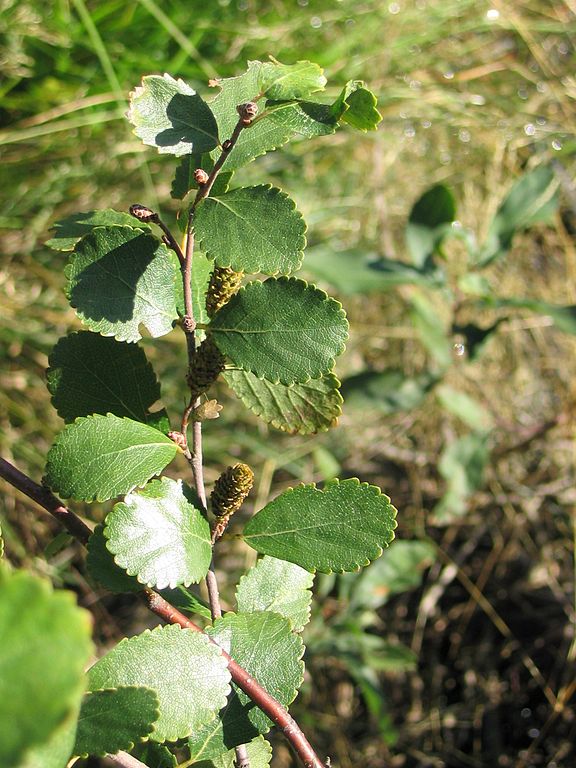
{"points": [[208, 410]]}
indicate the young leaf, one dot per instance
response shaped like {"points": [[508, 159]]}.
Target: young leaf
{"points": [[262, 136], [340, 528], [290, 81], [431, 329], [278, 586], [464, 407], [121, 277], [264, 645], [462, 465], [252, 229], [386, 391], [158, 536], [533, 199], [356, 106], [44, 647], [99, 457], [169, 115], [115, 719], [283, 330], [187, 672], [429, 222], [259, 753], [101, 565], [68, 231], [303, 118], [90, 373], [301, 408]]}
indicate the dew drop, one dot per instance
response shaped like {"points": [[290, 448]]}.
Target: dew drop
{"points": [[557, 145], [525, 712], [409, 132], [541, 87], [464, 135], [477, 99], [394, 8], [426, 123], [315, 22], [448, 75], [459, 349], [529, 129], [303, 3], [493, 14], [534, 733], [522, 93]]}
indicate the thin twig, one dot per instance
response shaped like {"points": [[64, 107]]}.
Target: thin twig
{"points": [[125, 760], [168, 613]]}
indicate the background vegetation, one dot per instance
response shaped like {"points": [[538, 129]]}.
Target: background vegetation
{"points": [[460, 651]]}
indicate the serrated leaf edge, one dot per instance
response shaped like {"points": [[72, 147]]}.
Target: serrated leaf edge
{"points": [[128, 745], [305, 286], [277, 192]]}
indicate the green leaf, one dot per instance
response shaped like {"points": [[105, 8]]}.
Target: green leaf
{"points": [[57, 751], [68, 231], [169, 115], [186, 601], [533, 199], [101, 565], [356, 106], [268, 650], [260, 137], [564, 317], [100, 457], [290, 81], [252, 229], [187, 672], [283, 330], [399, 569], [121, 277], [90, 373], [386, 392], [155, 755], [429, 223], [431, 329], [340, 528], [353, 271], [462, 465], [470, 411], [303, 118], [184, 180], [115, 719], [278, 586], [300, 408], [259, 754], [44, 647], [158, 536]]}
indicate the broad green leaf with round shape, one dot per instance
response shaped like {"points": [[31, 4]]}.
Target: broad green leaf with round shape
{"points": [[68, 231], [89, 373], [252, 229], [169, 115], [184, 181], [340, 528], [57, 751], [297, 409], [120, 278], [259, 753], [101, 565], [188, 673], [158, 536], [100, 457], [290, 81], [44, 646], [155, 755], [115, 719], [265, 646], [260, 137], [429, 223], [278, 586], [283, 330], [303, 118]]}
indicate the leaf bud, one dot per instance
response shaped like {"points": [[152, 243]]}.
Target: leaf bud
{"points": [[200, 177], [142, 213], [230, 490], [227, 145], [247, 112], [178, 438], [224, 283], [205, 367]]}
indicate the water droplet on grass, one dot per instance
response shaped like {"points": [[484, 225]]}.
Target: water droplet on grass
{"points": [[530, 129], [492, 14], [459, 349]]}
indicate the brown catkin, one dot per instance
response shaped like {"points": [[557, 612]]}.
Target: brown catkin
{"points": [[231, 489], [206, 366], [223, 285]]}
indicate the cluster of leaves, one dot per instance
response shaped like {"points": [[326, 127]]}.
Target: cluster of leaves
{"points": [[280, 337], [533, 199]]}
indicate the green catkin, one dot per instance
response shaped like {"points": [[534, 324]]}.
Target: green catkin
{"points": [[205, 367], [230, 490], [224, 283]]}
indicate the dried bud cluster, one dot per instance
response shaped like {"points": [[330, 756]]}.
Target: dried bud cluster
{"points": [[142, 213], [205, 367], [200, 176], [230, 490], [178, 438], [223, 285], [247, 112]]}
